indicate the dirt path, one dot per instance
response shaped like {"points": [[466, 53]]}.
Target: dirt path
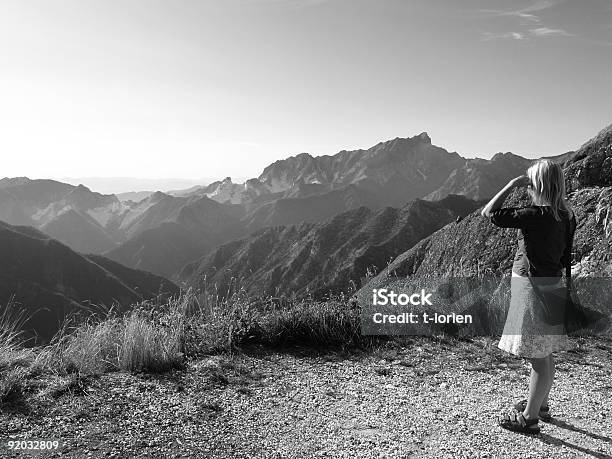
{"points": [[428, 399]]}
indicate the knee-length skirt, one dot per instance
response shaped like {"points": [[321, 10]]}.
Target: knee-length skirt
{"points": [[526, 333]]}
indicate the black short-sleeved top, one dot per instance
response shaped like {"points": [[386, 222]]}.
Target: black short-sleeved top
{"points": [[542, 245]]}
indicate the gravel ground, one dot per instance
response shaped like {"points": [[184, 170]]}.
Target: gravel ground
{"points": [[426, 399]]}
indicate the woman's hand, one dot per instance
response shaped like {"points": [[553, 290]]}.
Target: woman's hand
{"points": [[521, 180], [497, 200]]}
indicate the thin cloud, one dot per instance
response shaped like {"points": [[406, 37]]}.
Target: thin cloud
{"points": [[496, 36], [529, 21], [546, 32], [540, 5], [527, 14], [532, 33], [528, 17]]}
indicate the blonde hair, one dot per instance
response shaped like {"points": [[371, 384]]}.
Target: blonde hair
{"points": [[548, 187]]}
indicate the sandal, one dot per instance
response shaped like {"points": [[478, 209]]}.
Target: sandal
{"points": [[516, 422], [544, 413]]}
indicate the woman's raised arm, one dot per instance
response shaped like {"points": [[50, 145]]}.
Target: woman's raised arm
{"points": [[497, 200]]}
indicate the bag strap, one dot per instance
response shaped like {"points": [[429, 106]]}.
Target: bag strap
{"points": [[569, 236]]}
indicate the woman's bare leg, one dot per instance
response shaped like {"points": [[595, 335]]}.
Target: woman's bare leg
{"points": [[551, 363], [539, 386]]}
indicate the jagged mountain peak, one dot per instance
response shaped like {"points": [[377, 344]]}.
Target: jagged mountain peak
{"points": [[301, 156], [81, 190], [295, 160], [226, 191], [423, 137], [82, 198], [507, 155], [403, 142]]}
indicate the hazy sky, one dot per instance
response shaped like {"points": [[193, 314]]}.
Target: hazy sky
{"points": [[191, 89]]}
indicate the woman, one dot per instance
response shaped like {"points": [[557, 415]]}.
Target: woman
{"points": [[531, 330]]}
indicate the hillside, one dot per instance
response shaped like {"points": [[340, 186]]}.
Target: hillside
{"points": [[50, 281], [475, 246], [324, 258], [79, 231], [308, 207], [173, 231], [163, 250], [149, 213]]}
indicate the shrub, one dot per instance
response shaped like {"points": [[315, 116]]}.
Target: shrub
{"points": [[147, 346], [14, 359], [13, 384], [148, 338], [89, 349], [331, 323]]}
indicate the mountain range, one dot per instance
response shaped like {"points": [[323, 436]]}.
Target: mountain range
{"points": [[390, 173], [164, 231], [307, 226]]}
